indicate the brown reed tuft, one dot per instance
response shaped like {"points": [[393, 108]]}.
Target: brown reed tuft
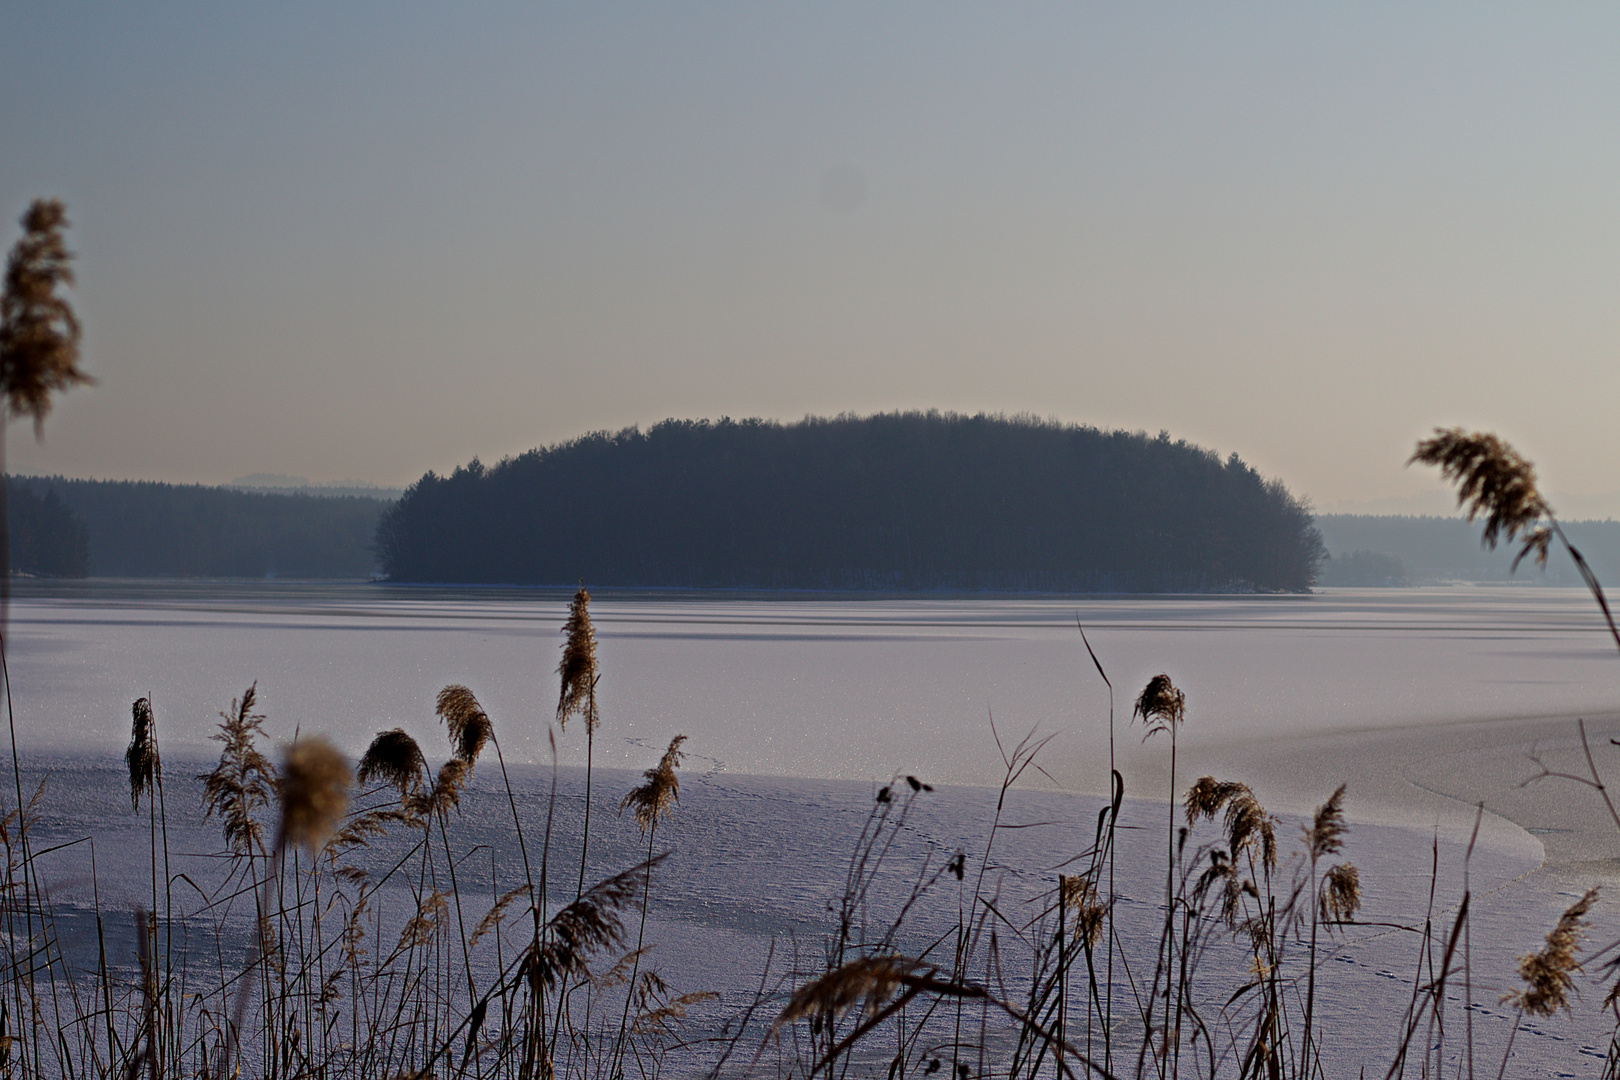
{"points": [[655, 798], [1493, 480], [244, 780], [469, 725], [1084, 906], [589, 924], [869, 981], [142, 755], [432, 915], [393, 758], [1341, 893], [445, 794], [497, 914], [1206, 797], [1325, 834], [1247, 823], [1160, 705], [1549, 973], [578, 666], [39, 333], [314, 793]]}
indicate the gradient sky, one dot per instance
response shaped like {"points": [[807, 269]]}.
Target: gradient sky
{"points": [[360, 241]]}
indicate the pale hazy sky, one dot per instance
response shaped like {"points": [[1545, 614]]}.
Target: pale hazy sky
{"points": [[367, 240]]}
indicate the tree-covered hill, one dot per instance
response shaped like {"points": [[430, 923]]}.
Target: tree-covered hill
{"points": [[144, 529], [912, 501]]}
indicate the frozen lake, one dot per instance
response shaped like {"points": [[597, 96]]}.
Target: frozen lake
{"points": [[795, 709], [844, 689]]}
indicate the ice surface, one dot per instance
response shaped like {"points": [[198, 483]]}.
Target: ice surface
{"points": [[796, 708]]}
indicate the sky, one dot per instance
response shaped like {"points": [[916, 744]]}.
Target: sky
{"points": [[362, 241]]}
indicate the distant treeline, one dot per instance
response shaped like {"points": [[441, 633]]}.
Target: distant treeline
{"points": [[1433, 549], [913, 501], [71, 528]]}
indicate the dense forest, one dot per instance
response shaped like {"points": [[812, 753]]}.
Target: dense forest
{"points": [[914, 501], [69, 528], [46, 538]]}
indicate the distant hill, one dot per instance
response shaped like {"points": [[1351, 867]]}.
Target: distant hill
{"points": [[143, 529], [914, 501], [1437, 549]]}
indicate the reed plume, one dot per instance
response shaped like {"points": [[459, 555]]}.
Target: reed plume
{"points": [[445, 794], [1549, 974], [1085, 907], [314, 793], [1492, 480], [39, 333], [588, 925], [393, 758], [470, 728], [142, 755], [577, 696], [868, 982], [1206, 797], [1247, 823], [1160, 705], [1325, 834], [1341, 893], [656, 797], [244, 780]]}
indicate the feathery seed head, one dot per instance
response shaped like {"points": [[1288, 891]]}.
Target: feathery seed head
{"points": [[469, 725], [871, 979], [1549, 974], [1208, 795], [39, 333], [142, 755], [1494, 481], [1325, 834], [393, 758], [578, 666], [655, 798], [1084, 906], [1341, 893], [589, 924], [1160, 705], [452, 780], [244, 780], [314, 793], [1247, 823]]}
